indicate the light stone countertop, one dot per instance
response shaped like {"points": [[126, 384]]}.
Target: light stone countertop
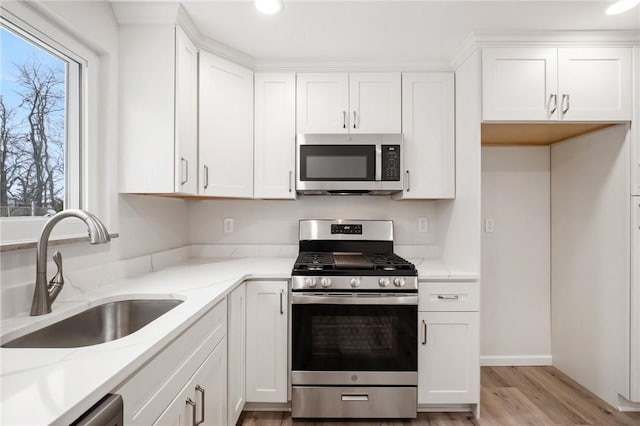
{"points": [[55, 386]]}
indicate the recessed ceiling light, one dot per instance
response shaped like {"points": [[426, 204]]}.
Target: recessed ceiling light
{"points": [[269, 7], [621, 6]]}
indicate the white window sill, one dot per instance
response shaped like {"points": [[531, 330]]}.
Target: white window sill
{"points": [[23, 245]]}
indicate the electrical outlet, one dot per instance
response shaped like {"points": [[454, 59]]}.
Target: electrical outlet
{"points": [[489, 225], [423, 224], [227, 225]]}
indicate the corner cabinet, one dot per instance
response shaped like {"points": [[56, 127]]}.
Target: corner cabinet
{"points": [[348, 103], [275, 136], [429, 136], [158, 110], [542, 84], [236, 350], [267, 348], [225, 146], [185, 381], [203, 400], [449, 345]]}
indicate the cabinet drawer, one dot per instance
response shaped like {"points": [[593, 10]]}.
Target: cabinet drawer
{"points": [[151, 389], [448, 296]]}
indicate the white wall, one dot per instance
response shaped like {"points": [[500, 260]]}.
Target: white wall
{"points": [[516, 281], [590, 242], [145, 224]]}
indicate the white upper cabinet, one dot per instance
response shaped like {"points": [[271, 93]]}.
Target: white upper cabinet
{"points": [[158, 110], [186, 145], [429, 139], [567, 84], [517, 84], [225, 128], [348, 103], [374, 100], [275, 135], [322, 103], [594, 84]]}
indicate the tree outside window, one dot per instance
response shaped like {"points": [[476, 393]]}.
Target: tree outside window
{"points": [[33, 101]]}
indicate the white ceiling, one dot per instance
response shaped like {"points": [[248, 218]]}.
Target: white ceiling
{"points": [[384, 31]]}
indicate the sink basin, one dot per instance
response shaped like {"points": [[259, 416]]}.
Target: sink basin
{"points": [[98, 324]]}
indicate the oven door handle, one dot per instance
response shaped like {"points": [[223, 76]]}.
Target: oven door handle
{"points": [[342, 299]]}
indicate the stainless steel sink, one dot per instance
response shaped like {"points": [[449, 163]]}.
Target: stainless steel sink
{"points": [[98, 324]]}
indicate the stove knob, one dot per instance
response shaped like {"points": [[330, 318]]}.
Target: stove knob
{"points": [[326, 282], [355, 282], [384, 282], [310, 282], [399, 282]]}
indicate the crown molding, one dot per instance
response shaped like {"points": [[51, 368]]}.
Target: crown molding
{"points": [[350, 65], [479, 39], [152, 12]]}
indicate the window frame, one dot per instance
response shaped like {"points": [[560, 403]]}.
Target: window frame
{"points": [[82, 180]]}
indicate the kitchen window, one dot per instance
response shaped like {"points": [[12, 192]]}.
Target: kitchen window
{"points": [[40, 119], [50, 155]]}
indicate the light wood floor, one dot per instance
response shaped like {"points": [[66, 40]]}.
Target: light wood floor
{"points": [[509, 396]]}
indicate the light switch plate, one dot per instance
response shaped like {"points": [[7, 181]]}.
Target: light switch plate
{"points": [[423, 224], [489, 225]]}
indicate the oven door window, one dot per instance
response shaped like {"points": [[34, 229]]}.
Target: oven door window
{"points": [[354, 337], [338, 162]]}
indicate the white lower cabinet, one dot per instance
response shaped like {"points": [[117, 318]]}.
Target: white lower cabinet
{"points": [[267, 324], [157, 392], [635, 300], [204, 399], [448, 346], [236, 339]]}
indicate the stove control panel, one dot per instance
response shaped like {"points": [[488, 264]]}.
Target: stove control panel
{"points": [[348, 229], [354, 283]]}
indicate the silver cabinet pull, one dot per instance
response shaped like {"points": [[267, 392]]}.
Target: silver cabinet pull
{"points": [[424, 332], [206, 176], [408, 181], [281, 307], [565, 108], [354, 119], [553, 97], [185, 170], [193, 411], [290, 176], [344, 119], [202, 409], [454, 297]]}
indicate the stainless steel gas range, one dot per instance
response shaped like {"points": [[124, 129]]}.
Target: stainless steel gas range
{"points": [[354, 323]]}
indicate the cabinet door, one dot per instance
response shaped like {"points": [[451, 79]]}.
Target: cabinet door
{"points": [[275, 136], [226, 128], [322, 103], [236, 352], [519, 84], [594, 84], [186, 115], [204, 397], [429, 140], [267, 313], [448, 358], [635, 302], [210, 387], [374, 100]]}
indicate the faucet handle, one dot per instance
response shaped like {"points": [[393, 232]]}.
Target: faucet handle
{"points": [[56, 283]]}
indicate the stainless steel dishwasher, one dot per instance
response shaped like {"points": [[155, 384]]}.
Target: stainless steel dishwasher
{"points": [[107, 412]]}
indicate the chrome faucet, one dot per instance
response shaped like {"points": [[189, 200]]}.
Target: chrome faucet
{"points": [[45, 293]]}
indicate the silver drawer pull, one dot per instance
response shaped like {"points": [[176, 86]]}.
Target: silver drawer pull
{"points": [[193, 411], [454, 297], [355, 396], [202, 409]]}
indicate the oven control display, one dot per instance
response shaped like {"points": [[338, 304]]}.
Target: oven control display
{"points": [[346, 229]]}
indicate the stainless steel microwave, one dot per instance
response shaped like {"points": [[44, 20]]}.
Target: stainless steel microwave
{"points": [[348, 164]]}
